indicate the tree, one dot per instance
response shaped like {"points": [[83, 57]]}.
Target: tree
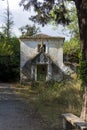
{"points": [[28, 30], [73, 26], [72, 47], [71, 50], [10, 60], [56, 10], [7, 28], [2, 37]]}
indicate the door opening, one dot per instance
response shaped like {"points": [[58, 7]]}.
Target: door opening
{"points": [[41, 72]]}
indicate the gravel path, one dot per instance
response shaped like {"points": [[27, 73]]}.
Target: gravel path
{"points": [[15, 114]]}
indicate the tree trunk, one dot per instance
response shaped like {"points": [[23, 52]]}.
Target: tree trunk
{"points": [[81, 6], [84, 105]]}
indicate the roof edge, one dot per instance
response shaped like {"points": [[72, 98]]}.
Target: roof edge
{"points": [[40, 36]]}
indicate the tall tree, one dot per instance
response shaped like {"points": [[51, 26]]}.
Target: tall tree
{"points": [[8, 23], [73, 26], [28, 30], [57, 10]]}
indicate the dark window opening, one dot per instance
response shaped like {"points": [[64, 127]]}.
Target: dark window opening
{"points": [[41, 47]]}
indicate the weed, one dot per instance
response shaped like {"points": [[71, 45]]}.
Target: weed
{"points": [[51, 99]]}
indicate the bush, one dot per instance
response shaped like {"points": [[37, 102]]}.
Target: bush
{"points": [[71, 50], [10, 60]]}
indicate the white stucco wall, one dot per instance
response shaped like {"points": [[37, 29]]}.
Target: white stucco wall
{"points": [[56, 51], [28, 49]]}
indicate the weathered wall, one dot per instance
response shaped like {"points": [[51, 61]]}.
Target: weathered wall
{"points": [[57, 73], [56, 51], [53, 49], [29, 49]]}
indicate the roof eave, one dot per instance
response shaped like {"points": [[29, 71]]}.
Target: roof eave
{"points": [[41, 38]]}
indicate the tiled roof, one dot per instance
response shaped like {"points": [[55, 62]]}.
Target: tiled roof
{"points": [[41, 36]]}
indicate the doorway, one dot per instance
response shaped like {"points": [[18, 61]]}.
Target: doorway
{"points": [[41, 72]]}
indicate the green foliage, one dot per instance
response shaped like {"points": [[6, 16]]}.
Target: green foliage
{"points": [[71, 46], [8, 23], [73, 26], [47, 11], [72, 49], [10, 60], [29, 30], [5, 49]]}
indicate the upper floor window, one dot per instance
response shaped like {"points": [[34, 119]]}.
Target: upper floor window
{"points": [[41, 48]]}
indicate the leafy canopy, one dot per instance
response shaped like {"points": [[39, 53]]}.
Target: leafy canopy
{"points": [[29, 30], [73, 27], [72, 46], [48, 10]]}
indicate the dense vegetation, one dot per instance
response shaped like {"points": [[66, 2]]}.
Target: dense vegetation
{"points": [[71, 50], [9, 50], [9, 59]]}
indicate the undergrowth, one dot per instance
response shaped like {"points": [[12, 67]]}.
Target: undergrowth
{"points": [[51, 99]]}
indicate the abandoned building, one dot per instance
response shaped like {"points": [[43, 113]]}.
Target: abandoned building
{"points": [[41, 58]]}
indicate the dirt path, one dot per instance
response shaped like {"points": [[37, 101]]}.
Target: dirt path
{"points": [[15, 114]]}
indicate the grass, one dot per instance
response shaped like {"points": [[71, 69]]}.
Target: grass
{"points": [[53, 99]]}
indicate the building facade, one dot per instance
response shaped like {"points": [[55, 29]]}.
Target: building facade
{"points": [[41, 58]]}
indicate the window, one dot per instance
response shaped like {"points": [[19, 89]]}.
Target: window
{"points": [[41, 47]]}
